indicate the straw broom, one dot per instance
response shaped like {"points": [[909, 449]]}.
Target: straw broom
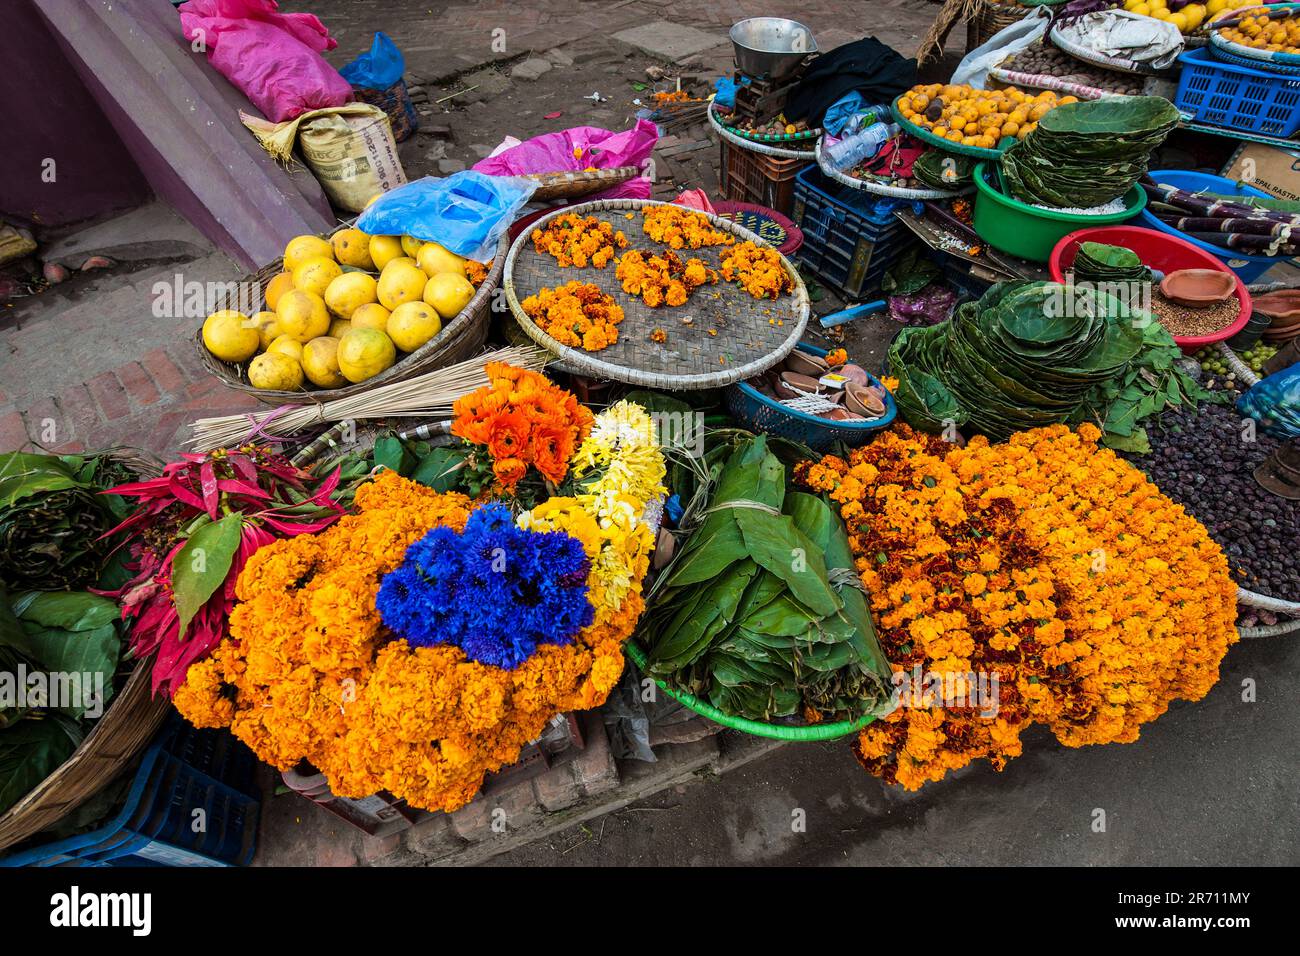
{"points": [[429, 395]]}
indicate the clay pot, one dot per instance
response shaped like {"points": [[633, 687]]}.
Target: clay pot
{"points": [[805, 363], [1283, 307], [855, 373], [799, 384], [1198, 288], [842, 415], [863, 400]]}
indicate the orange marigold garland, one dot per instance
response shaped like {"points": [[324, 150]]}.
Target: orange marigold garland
{"points": [[680, 228], [576, 314], [523, 420], [758, 269], [1046, 561], [662, 279], [579, 241]]}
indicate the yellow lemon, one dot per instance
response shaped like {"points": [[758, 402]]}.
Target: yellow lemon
{"points": [[315, 275], [433, 258], [370, 316], [275, 370], [411, 245], [339, 326], [287, 346], [1160, 13], [348, 292], [268, 327], [448, 293], [384, 249], [1142, 9], [364, 353], [303, 315], [231, 336], [370, 202], [280, 283], [320, 362], [400, 282], [1179, 20], [352, 248], [302, 248], [412, 324]]}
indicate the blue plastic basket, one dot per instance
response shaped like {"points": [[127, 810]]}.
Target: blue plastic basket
{"points": [[756, 412], [1238, 97], [849, 236], [1248, 268], [183, 772]]}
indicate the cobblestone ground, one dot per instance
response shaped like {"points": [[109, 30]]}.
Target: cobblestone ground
{"points": [[89, 363]]}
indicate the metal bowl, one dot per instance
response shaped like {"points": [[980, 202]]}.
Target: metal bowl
{"points": [[771, 46]]}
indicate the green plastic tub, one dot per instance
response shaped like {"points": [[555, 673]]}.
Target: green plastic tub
{"points": [[1020, 229]]}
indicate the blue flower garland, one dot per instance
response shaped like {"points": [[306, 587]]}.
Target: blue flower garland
{"points": [[495, 590]]}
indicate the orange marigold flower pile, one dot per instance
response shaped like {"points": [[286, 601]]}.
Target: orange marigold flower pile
{"points": [[662, 279], [579, 241], [758, 269], [309, 672], [1046, 561], [577, 314], [523, 420], [680, 228], [477, 272]]}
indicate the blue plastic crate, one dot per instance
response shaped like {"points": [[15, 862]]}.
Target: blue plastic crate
{"points": [[1238, 97], [850, 236], [185, 770], [757, 412]]}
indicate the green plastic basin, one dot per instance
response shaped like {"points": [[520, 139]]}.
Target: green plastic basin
{"points": [[1020, 229]]}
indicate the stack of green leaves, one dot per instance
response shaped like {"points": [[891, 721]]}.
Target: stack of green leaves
{"points": [[60, 659], [1089, 153], [760, 613], [53, 519], [940, 170], [1097, 262]]}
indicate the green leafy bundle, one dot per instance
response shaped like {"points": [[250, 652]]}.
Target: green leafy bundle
{"points": [[1098, 262], [53, 518], [760, 613], [1089, 153]]}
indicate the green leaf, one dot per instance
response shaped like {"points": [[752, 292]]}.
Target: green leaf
{"points": [[66, 610], [202, 564], [440, 469], [30, 751], [391, 453]]}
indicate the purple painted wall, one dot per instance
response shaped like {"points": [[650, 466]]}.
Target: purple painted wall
{"points": [[50, 115]]}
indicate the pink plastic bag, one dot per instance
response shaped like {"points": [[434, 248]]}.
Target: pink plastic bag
{"points": [[694, 199], [274, 58], [582, 147]]}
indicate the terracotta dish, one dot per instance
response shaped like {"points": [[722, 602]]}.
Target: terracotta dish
{"points": [[1282, 307], [1198, 287]]}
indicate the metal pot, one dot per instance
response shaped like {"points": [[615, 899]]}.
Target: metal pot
{"points": [[771, 46]]}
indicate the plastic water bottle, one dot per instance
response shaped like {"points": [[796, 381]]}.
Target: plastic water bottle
{"points": [[864, 118], [847, 153]]}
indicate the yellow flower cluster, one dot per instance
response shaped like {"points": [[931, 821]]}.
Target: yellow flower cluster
{"points": [[310, 673], [680, 228], [579, 241], [662, 280], [758, 269], [1046, 561]]}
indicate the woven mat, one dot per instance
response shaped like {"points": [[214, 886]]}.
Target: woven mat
{"points": [[752, 334]]}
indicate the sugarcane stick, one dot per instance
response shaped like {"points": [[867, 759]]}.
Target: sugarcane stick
{"points": [[1254, 227], [1253, 245], [1204, 206]]}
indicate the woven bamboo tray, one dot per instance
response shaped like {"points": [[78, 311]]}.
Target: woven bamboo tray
{"points": [[747, 341], [884, 189], [923, 134], [1262, 59], [127, 726], [1098, 59], [459, 339], [575, 185], [990, 19]]}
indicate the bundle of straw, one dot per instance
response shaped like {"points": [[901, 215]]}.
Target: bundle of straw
{"points": [[429, 395]]}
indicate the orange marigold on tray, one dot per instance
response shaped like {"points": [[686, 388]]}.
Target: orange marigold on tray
{"points": [[577, 241], [477, 272], [758, 269], [1045, 573], [680, 228], [576, 314], [662, 279]]}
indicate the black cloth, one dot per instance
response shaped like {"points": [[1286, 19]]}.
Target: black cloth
{"points": [[875, 70]]}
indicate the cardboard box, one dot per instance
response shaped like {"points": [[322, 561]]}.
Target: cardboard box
{"points": [[1274, 170]]}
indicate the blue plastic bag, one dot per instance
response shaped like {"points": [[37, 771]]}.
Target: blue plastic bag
{"points": [[467, 213], [1274, 402], [380, 68]]}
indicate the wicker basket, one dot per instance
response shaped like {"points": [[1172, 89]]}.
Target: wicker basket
{"points": [[459, 339], [990, 19], [132, 718], [751, 345], [575, 185], [396, 102]]}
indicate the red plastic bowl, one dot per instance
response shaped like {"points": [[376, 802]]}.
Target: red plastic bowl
{"points": [[1159, 251]]}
